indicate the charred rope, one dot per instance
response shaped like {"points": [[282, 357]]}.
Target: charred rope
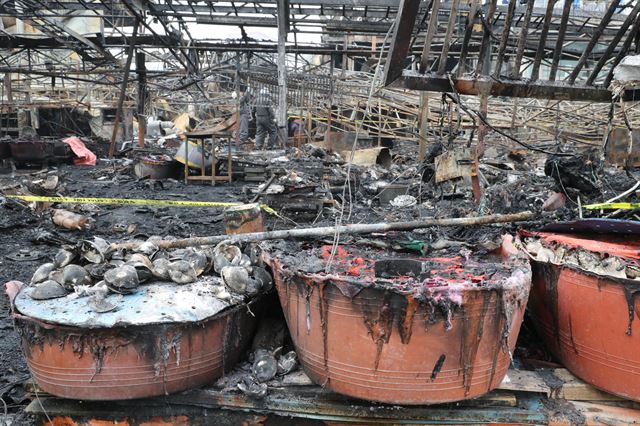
{"points": [[331, 230]]}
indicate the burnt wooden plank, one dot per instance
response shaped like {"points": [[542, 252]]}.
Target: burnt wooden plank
{"points": [[614, 43], [561, 33], [592, 42], [509, 88], [624, 50], [402, 31], [506, 29], [522, 40], [453, 15], [485, 48], [431, 32], [471, 19], [543, 40]]}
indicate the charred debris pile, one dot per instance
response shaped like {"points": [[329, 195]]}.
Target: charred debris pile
{"points": [[353, 259]]}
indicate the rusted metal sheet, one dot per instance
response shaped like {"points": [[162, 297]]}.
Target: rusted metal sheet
{"points": [[585, 310], [388, 328]]}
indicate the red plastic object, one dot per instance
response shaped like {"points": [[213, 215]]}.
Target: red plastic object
{"points": [[135, 361], [447, 342], [588, 323]]}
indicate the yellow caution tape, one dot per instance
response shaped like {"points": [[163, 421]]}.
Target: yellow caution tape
{"points": [[132, 202], [612, 206]]}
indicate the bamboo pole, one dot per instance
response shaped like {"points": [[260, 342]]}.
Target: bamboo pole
{"points": [[331, 230]]}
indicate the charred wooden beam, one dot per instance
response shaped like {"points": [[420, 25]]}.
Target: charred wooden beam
{"points": [[123, 90], [592, 42], [431, 32], [402, 31], [633, 35], [506, 29], [522, 40], [509, 88], [535, 70], [486, 38], [453, 15], [633, 15], [560, 41], [471, 18]]}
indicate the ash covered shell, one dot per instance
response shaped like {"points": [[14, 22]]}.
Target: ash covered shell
{"points": [[155, 303]]}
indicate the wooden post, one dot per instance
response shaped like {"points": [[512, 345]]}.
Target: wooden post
{"points": [[142, 96], [506, 29], [522, 39], [535, 69], [447, 37], [482, 132], [431, 31], [559, 43], [424, 126], [593, 41], [327, 137], [484, 60], [471, 19], [123, 88], [283, 28]]}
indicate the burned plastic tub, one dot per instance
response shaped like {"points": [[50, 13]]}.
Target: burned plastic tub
{"points": [[390, 328], [583, 303], [163, 339]]}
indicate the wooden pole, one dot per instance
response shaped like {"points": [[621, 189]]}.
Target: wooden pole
{"points": [[327, 136], [283, 28], [624, 50], [561, 32], [424, 126], [594, 39], [123, 89], [485, 47], [522, 39], [506, 29], [614, 43], [442, 66], [142, 96], [431, 31], [482, 132], [535, 70], [331, 230], [471, 19]]}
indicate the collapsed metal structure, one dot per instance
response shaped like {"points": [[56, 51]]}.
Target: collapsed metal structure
{"points": [[554, 50]]}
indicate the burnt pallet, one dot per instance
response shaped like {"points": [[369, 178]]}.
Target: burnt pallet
{"points": [[306, 404]]}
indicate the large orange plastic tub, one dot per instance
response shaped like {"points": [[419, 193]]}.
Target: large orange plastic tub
{"points": [[133, 361], [589, 322], [395, 340]]}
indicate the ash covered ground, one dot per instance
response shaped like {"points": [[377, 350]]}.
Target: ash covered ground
{"points": [[28, 237]]}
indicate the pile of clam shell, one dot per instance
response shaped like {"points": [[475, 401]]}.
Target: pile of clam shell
{"points": [[94, 269]]}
